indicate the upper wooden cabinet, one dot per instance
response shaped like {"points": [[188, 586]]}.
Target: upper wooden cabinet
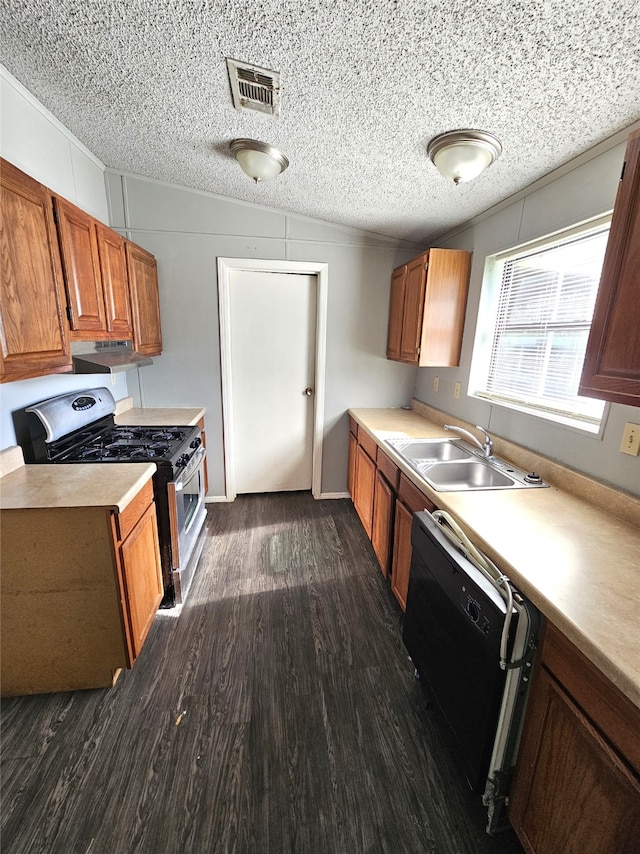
{"points": [[67, 277], [143, 286], [33, 339], [115, 282], [95, 275], [612, 362], [427, 307]]}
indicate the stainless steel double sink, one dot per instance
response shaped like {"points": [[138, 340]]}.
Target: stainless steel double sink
{"points": [[453, 465]]}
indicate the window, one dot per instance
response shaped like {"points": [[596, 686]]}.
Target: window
{"points": [[534, 325]]}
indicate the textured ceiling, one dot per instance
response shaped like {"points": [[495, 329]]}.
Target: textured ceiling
{"points": [[366, 84]]}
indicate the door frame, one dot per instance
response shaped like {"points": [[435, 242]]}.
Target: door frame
{"points": [[308, 268]]}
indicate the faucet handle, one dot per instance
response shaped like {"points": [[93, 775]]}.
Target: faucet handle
{"points": [[488, 441]]}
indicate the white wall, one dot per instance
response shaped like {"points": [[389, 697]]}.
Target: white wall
{"points": [[187, 230], [34, 141], [581, 190]]}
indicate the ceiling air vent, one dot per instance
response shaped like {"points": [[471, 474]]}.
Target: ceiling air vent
{"points": [[254, 88]]}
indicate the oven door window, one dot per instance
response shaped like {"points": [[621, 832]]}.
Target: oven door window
{"points": [[189, 499]]}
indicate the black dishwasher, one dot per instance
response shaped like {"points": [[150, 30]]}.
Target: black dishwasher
{"points": [[453, 630]]}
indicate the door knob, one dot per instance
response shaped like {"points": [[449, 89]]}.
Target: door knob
{"points": [[308, 391]]}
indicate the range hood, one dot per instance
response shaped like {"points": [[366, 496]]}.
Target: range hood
{"points": [[106, 358]]}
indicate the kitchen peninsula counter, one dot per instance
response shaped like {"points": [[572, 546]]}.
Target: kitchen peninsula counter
{"points": [[577, 563], [114, 486]]}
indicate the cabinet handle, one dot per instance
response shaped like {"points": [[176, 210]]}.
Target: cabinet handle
{"points": [[308, 391]]}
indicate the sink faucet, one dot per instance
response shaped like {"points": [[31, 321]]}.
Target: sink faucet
{"points": [[486, 448]]}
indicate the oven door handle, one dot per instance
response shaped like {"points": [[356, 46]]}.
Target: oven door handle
{"points": [[194, 463]]}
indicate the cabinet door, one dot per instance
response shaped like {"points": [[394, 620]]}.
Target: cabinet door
{"points": [[365, 479], [145, 304], [142, 577], [113, 269], [401, 566], [81, 264], [32, 330], [382, 531], [445, 303], [413, 309], [612, 361], [572, 792], [396, 309]]}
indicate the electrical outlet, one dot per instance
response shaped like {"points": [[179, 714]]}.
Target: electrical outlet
{"points": [[631, 440], [436, 383], [113, 379], [456, 390]]}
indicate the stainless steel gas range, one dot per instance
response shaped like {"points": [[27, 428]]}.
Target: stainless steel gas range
{"points": [[79, 427]]}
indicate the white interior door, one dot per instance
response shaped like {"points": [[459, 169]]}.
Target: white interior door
{"points": [[272, 342]]}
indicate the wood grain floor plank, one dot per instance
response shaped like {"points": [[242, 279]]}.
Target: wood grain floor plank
{"points": [[278, 714]]}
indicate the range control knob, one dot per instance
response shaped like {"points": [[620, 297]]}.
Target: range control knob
{"points": [[473, 611], [196, 443], [182, 460]]}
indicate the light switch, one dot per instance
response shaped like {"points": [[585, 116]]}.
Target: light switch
{"points": [[456, 390], [631, 440]]}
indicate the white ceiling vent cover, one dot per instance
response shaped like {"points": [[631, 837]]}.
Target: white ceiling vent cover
{"points": [[254, 88]]}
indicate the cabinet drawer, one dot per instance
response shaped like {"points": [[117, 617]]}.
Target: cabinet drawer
{"points": [[369, 445], [612, 712], [389, 469], [126, 521], [412, 496], [353, 427]]}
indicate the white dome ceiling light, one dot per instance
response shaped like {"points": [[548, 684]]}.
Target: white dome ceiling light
{"points": [[462, 155], [258, 160]]}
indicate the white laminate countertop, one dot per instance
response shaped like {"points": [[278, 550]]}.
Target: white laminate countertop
{"points": [[154, 417], [578, 564], [112, 485]]}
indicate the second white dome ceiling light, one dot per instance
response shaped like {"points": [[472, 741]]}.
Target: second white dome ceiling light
{"points": [[462, 155]]}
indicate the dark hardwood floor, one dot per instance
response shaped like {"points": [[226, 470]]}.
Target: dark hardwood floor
{"points": [[278, 714]]}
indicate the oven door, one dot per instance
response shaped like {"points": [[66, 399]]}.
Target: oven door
{"points": [[186, 511]]}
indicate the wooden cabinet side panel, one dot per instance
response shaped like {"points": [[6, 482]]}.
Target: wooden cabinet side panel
{"points": [[413, 309], [571, 792], [81, 264], [145, 304], [445, 304], [33, 340], [203, 437], [142, 576], [351, 472], [113, 268], [612, 361], [61, 626], [396, 308]]}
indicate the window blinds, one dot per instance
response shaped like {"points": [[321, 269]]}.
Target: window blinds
{"points": [[545, 307]]}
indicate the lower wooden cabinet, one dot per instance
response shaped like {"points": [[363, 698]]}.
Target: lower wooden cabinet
{"points": [[79, 596], [385, 500], [410, 500], [140, 577], [577, 783], [364, 489]]}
